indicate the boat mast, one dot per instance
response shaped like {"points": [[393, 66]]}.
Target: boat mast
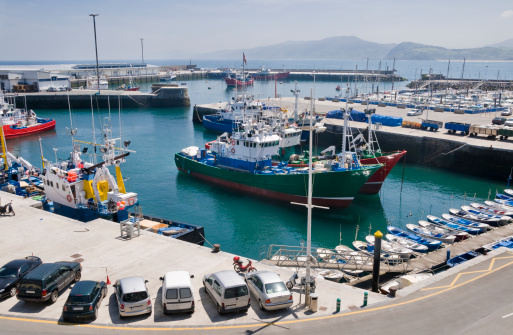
{"points": [[295, 91]]}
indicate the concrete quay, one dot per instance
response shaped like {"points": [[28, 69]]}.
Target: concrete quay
{"points": [[165, 97], [478, 156], [101, 250]]}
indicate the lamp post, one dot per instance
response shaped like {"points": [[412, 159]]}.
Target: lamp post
{"points": [[142, 50], [96, 49]]}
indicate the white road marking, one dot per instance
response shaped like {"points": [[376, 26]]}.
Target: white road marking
{"points": [[505, 316]]}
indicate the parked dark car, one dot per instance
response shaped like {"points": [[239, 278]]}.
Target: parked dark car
{"points": [[84, 300], [48, 280], [499, 120], [12, 273]]}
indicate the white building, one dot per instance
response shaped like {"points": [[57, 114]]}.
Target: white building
{"points": [[29, 80]]}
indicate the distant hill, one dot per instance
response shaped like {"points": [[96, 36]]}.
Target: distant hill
{"points": [[352, 47], [504, 44], [416, 51], [341, 47]]}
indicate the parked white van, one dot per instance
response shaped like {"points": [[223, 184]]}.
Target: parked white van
{"points": [[177, 292], [228, 290]]}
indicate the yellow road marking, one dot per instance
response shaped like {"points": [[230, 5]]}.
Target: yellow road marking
{"points": [[490, 267], [267, 323]]}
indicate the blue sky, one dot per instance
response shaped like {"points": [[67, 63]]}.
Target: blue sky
{"points": [[63, 30]]}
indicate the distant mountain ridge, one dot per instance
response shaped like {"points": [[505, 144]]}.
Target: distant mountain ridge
{"points": [[351, 47]]}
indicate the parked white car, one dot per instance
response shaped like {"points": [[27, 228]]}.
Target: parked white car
{"points": [[269, 290], [509, 123], [414, 112], [228, 290], [177, 292], [507, 112]]}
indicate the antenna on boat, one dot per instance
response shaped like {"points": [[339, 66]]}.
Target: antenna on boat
{"points": [[370, 228], [55, 149], [94, 137], [357, 228]]}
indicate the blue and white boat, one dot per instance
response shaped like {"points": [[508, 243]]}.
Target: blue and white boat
{"points": [[491, 209], [460, 235], [453, 225], [241, 108], [509, 192], [485, 217], [462, 258], [425, 232], [504, 202], [504, 197], [505, 242], [466, 222], [406, 243], [476, 216], [428, 242]]}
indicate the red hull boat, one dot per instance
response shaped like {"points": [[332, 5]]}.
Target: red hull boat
{"points": [[232, 82], [11, 131], [389, 160]]}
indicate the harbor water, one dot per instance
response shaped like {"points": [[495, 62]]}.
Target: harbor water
{"points": [[240, 223]]}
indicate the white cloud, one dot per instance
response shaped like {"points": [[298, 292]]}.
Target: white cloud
{"points": [[506, 14]]}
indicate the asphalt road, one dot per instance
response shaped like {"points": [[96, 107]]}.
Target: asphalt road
{"points": [[477, 300]]}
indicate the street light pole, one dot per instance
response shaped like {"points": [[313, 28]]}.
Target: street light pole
{"points": [[142, 50], [96, 49]]}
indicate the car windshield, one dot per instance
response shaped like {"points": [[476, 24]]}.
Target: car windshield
{"points": [[275, 287], [235, 292], [8, 272], [78, 300], [135, 297]]}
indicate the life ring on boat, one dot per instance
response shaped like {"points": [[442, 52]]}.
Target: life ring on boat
{"points": [[233, 142], [131, 201], [69, 198], [233, 150]]}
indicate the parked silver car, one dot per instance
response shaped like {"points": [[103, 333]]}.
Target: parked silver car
{"points": [[132, 296], [414, 112], [269, 290]]}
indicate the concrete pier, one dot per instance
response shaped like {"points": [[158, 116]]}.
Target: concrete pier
{"points": [[477, 156], [164, 97], [98, 246]]}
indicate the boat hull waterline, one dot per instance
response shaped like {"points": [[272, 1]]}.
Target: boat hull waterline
{"points": [[333, 189]]}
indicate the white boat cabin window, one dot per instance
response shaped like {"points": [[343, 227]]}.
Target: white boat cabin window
{"points": [[63, 187], [57, 185]]}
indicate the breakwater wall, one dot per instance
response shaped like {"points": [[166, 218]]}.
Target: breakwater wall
{"points": [[453, 155], [165, 97]]}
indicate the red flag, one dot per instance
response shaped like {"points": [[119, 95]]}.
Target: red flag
{"points": [[244, 58]]}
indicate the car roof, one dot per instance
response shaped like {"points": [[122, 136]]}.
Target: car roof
{"points": [[83, 287], [45, 269], [229, 278], [132, 284], [268, 276], [177, 278], [19, 262]]}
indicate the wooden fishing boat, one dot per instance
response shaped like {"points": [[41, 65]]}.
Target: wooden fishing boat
{"points": [[454, 225], [460, 235], [491, 209], [421, 231], [462, 258], [406, 243], [428, 242]]}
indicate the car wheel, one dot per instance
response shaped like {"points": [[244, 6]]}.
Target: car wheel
{"points": [[12, 291], [289, 285], [77, 277], [261, 305], [236, 267], [53, 297], [95, 313], [219, 310]]}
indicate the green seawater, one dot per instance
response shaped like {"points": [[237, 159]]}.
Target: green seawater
{"points": [[240, 223]]}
